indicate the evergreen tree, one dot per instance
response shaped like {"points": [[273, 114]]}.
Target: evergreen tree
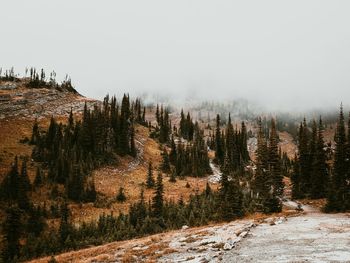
{"points": [[35, 133], [274, 162], [336, 200], [132, 142], [124, 147], [219, 154], [150, 179], [243, 139], [65, 226], [157, 115], [157, 204], [173, 176], [121, 196], [10, 184], [231, 197], [165, 166], [173, 152], [268, 184], [295, 178], [260, 184], [304, 160], [12, 233], [38, 177], [319, 173]]}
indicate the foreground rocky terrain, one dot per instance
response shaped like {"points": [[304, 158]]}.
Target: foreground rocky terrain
{"points": [[309, 236]]}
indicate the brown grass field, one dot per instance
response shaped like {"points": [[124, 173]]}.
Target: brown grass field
{"points": [[129, 174]]}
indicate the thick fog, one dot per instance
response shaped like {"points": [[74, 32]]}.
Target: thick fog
{"points": [[283, 54]]}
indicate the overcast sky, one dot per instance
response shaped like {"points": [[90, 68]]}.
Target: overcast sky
{"points": [[282, 53]]}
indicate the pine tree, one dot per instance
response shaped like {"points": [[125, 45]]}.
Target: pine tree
{"points": [[183, 126], [208, 190], [124, 147], [157, 204], [173, 176], [65, 226], [319, 173], [157, 115], [150, 179], [22, 195], [12, 233], [10, 184], [268, 184], [38, 177], [274, 162], [24, 177], [230, 144], [166, 162], [35, 133], [304, 160], [121, 196], [336, 200], [219, 154], [132, 142], [260, 183], [173, 152], [295, 178], [231, 197], [347, 198], [244, 146]]}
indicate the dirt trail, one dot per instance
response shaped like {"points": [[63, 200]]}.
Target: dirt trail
{"points": [[311, 237]]}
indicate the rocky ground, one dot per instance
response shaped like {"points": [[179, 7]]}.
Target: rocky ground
{"points": [[18, 101], [308, 236], [311, 237]]}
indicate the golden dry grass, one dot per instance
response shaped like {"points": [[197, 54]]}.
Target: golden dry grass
{"points": [[287, 144], [11, 131], [109, 179]]}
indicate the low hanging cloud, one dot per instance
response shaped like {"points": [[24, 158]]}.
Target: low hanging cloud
{"points": [[290, 55]]}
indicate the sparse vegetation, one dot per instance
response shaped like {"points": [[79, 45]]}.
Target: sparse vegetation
{"points": [[66, 154]]}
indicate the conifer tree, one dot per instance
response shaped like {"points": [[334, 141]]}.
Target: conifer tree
{"points": [[219, 153], [166, 162], [173, 152], [121, 196], [157, 204], [150, 179], [38, 177], [319, 173], [65, 226], [295, 178], [124, 147], [10, 184], [304, 159], [261, 178], [158, 115], [231, 198], [12, 233], [22, 195], [274, 161], [336, 200], [173, 176], [244, 146], [268, 184], [132, 142], [35, 133]]}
